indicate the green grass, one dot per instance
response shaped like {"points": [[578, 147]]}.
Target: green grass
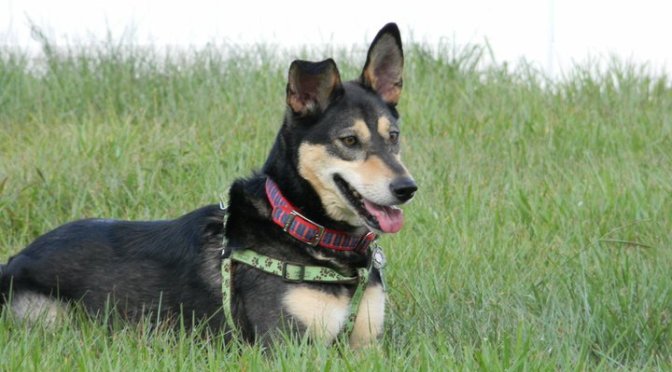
{"points": [[540, 238]]}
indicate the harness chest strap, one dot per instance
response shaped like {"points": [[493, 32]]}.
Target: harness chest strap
{"points": [[298, 273], [289, 271]]}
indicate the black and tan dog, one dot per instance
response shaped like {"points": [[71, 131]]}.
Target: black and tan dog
{"points": [[331, 182]]}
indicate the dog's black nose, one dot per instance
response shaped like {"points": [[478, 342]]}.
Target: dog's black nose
{"points": [[403, 188]]}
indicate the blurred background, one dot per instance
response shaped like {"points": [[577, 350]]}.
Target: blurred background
{"points": [[552, 35]]}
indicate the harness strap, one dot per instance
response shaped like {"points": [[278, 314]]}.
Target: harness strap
{"points": [[227, 289], [295, 273], [289, 271], [363, 274]]}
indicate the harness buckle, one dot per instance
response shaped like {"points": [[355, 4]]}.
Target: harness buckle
{"points": [[285, 277]]}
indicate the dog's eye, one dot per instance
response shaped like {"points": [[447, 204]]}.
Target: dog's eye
{"points": [[394, 137], [350, 141]]}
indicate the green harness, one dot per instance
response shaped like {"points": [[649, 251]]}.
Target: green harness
{"points": [[296, 273]]}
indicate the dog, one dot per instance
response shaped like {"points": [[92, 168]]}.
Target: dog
{"points": [[332, 182]]}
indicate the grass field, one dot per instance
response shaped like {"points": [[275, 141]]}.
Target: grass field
{"points": [[540, 239]]}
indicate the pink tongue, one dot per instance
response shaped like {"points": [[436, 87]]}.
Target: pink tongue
{"points": [[390, 219]]}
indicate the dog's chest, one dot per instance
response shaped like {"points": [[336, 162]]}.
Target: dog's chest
{"points": [[324, 314]]}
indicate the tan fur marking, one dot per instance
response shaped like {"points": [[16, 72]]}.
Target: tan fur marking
{"points": [[392, 95], [322, 313], [32, 307], [370, 318], [311, 159], [298, 105], [374, 168], [314, 159], [370, 177], [371, 78], [384, 127], [362, 130]]}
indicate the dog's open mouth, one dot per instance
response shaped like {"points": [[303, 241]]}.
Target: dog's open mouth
{"points": [[389, 219]]}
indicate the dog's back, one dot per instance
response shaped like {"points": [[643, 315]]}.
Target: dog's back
{"points": [[133, 267]]}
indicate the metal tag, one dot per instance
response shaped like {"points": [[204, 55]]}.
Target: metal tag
{"points": [[378, 258], [378, 262]]}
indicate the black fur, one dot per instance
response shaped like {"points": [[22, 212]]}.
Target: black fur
{"points": [[258, 305], [173, 267], [140, 264]]}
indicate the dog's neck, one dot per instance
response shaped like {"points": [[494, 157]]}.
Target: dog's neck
{"points": [[294, 223], [281, 167], [249, 209]]}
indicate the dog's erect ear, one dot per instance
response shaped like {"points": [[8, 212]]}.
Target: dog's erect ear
{"points": [[384, 64], [312, 85]]}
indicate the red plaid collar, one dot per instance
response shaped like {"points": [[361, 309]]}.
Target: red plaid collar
{"points": [[297, 225]]}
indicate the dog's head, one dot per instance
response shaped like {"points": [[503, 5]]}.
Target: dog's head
{"points": [[348, 135]]}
